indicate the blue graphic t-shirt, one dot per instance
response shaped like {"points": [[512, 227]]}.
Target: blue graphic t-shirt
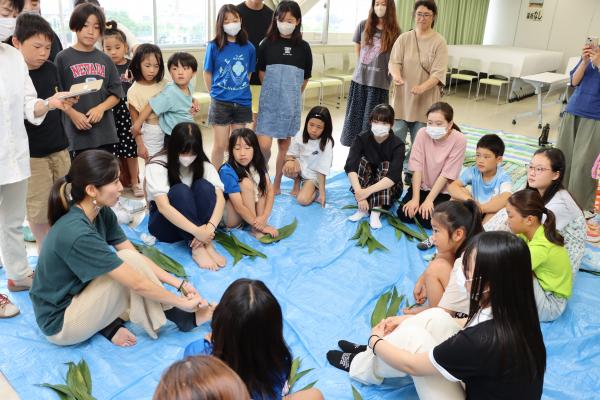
{"points": [[230, 67]]}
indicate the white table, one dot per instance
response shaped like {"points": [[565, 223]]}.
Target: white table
{"points": [[539, 82]]}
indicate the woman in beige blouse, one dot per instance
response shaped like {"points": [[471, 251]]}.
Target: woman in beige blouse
{"points": [[418, 64]]}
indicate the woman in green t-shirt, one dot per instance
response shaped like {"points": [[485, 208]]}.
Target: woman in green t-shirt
{"points": [[89, 275], [553, 278]]}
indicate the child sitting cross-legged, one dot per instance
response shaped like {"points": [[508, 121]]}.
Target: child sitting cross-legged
{"points": [[490, 186]]}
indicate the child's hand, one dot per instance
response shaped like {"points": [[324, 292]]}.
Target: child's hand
{"points": [[142, 151], [291, 169], [426, 209], [260, 223], [80, 120], [361, 194], [269, 230], [95, 114], [136, 129], [204, 234], [321, 198], [411, 208], [363, 205], [420, 292], [195, 107]]}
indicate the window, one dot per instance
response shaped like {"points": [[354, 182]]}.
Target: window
{"points": [[181, 22], [313, 21], [344, 17], [137, 16]]}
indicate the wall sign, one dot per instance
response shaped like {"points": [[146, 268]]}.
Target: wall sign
{"points": [[534, 12]]}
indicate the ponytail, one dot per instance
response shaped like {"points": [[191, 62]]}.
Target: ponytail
{"points": [[58, 202], [456, 214], [92, 167], [529, 202], [550, 231]]}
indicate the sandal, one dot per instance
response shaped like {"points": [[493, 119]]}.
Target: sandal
{"points": [[138, 190]]}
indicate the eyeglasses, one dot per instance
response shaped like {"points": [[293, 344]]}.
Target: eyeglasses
{"points": [[538, 170], [423, 15]]}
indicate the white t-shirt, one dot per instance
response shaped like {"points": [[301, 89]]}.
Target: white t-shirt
{"points": [[157, 178], [564, 208], [312, 160]]}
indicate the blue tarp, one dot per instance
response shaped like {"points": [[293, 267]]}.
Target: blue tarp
{"points": [[327, 288]]}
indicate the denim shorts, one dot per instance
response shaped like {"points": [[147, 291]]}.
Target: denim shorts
{"points": [[221, 113]]}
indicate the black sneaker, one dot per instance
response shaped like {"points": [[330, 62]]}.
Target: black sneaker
{"points": [[425, 244], [349, 347], [340, 360]]}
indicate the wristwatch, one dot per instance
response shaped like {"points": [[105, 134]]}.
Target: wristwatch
{"points": [[47, 105]]}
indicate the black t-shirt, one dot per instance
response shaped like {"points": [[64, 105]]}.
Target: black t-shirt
{"points": [[56, 47], [365, 145], [256, 24], [472, 356], [49, 137], [126, 77], [282, 51]]}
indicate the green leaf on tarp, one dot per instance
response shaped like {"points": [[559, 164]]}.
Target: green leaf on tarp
{"points": [[421, 229], [380, 310], [284, 232], [394, 303], [356, 394], [410, 233], [63, 391], [296, 374], [374, 244], [161, 259], [350, 207], [310, 385], [78, 383], [246, 249], [398, 233], [229, 244], [364, 234], [85, 372]]}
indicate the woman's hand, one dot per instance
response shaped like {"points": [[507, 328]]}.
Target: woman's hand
{"points": [[187, 289], [363, 205], [62, 104], [417, 90], [378, 330], [80, 120], [595, 57], [391, 323], [191, 303], [426, 209], [204, 233], [397, 79], [410, 209], [95, 114]]}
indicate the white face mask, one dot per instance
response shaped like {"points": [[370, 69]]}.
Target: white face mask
{"points": [[232, 29], [461, 280], [7, 28], [380, 11], [380, 130], [186, 161], [285, 28], [436, 132]]}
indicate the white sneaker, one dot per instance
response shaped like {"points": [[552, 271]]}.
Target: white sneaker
{"points": [[375, 221], [7, 308], [357, 216], [123, 216]]}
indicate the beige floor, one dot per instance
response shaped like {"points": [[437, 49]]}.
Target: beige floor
{"points": [[480, 114]]}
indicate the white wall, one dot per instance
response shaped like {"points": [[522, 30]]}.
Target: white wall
{"points": [[564, 26]]}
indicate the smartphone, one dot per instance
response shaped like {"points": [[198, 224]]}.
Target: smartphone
{"points": [[591, 41], [80, 89]]}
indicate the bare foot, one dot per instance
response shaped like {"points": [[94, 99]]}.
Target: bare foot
{"points": [[124, 338], [256, 233], [214, 254], [203, 259], [204, 314], [415, 310]]}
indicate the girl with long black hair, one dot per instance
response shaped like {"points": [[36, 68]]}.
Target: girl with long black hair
{"points": [[81, 285], [247, 334], [185, 196], [500, 351]]}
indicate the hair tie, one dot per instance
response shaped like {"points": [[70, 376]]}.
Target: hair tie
{"points": [[67, 178], [546, 210]]}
